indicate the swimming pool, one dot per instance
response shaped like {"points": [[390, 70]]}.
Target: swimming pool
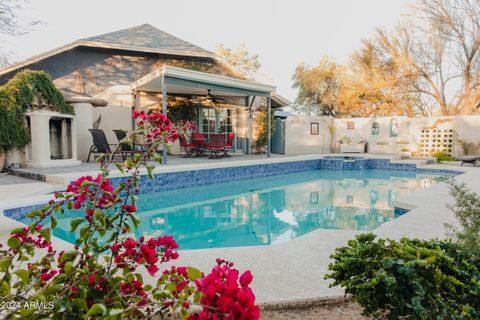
{"points": [[273, 209]]}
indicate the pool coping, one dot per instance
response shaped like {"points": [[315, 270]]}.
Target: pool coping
{"points": [[61, 180], [292, 272]]}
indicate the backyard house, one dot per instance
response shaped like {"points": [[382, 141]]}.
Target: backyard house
{"points": [[105, 76]]}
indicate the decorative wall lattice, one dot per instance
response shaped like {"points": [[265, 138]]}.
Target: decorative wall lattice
{"points": [[436, 139]]}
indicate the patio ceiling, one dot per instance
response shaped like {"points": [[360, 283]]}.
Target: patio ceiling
{"points": [[183, 81], [172, 80]]}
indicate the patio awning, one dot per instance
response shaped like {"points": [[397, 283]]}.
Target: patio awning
{"points": [[183, 81], [172, 80]]}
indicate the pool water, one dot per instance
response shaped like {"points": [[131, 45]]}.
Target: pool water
{"points": [[271, 210]]}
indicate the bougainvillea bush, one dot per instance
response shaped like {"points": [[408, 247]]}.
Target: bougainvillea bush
{"points": [[410, 278], [102, 276]]}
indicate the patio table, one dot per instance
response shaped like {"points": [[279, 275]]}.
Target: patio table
{"points": [[200, 141]]}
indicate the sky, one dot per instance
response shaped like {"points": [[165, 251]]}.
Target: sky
{"points": [[283, 32]]}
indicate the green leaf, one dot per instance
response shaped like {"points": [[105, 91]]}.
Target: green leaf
{"points": [[119, 167], [17, 230], [34, 214], [84, 233], [147, 288], [120, 187], [137, 157], [4, 263], [53, 222], [98, 309], [115, 312], [171, 287], [193, 273], [23, 275], [81, 303], [150, 168], [129, 163], [14, 243], [135, 220], [53, 288], [4, 289], [45, 234], [75, 223], [68, 267], [67, 256]]}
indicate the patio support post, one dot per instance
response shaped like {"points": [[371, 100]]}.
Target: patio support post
{"points": [[164, 111], [269, 116], [136, 106]]}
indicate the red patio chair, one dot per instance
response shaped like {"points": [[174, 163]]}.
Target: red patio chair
{"points": [[188, 148], [217, 144], [199, 140], [229, 144]]}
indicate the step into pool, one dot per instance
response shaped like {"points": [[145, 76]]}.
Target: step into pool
{"points": [[271, 210]]}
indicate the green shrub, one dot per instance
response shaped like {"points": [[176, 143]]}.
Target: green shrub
{"points": [[443, 156], [468, 147], [16, 96], [416, 279], [467, 211], [261, 123]]}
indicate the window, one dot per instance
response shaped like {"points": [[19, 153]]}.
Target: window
{"points": [[208, 121], [350, 125], [226, 119], [314, 128]]}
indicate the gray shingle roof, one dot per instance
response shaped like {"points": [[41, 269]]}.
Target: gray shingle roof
{"points": [[147, 36]]}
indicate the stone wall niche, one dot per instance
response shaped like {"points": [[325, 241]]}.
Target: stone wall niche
{"points": [[53, 139], [60, 138]]}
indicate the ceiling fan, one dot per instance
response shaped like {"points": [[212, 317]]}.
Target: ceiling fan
{"points": [[209, 98]]}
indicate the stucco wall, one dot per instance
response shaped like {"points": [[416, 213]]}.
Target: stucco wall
{"points": [[298, 139], [465, 128], [83, 113], [112, 117]]}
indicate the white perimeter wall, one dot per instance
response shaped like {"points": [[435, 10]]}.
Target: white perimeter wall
{"points": [[466, 128], [298, 139]]}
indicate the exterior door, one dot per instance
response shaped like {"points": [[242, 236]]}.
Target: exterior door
{"points": [[208, 121], [217, 121], [278, 137]]}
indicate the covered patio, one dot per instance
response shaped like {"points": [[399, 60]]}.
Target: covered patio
{"points": [[218, 104]]}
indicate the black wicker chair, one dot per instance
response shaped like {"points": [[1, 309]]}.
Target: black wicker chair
{"points": [[121, 134], [101, 146]]}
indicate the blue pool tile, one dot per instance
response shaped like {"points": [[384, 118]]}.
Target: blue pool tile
{"points": [[179, 180]]}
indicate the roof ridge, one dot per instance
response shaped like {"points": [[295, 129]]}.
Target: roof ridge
{"points": [[109, 32], [137, 38], [147, 36]]}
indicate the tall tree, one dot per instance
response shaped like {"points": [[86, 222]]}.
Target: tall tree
{"points": [[370, 87], [248, 64], [13, 23], [318, 87], [362, 88], [438, 53]]}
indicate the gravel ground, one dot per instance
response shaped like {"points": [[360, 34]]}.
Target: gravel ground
{"points": [[340, 311]]}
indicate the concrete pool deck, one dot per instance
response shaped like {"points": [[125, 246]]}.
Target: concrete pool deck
{"points": [[294, 271]]}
